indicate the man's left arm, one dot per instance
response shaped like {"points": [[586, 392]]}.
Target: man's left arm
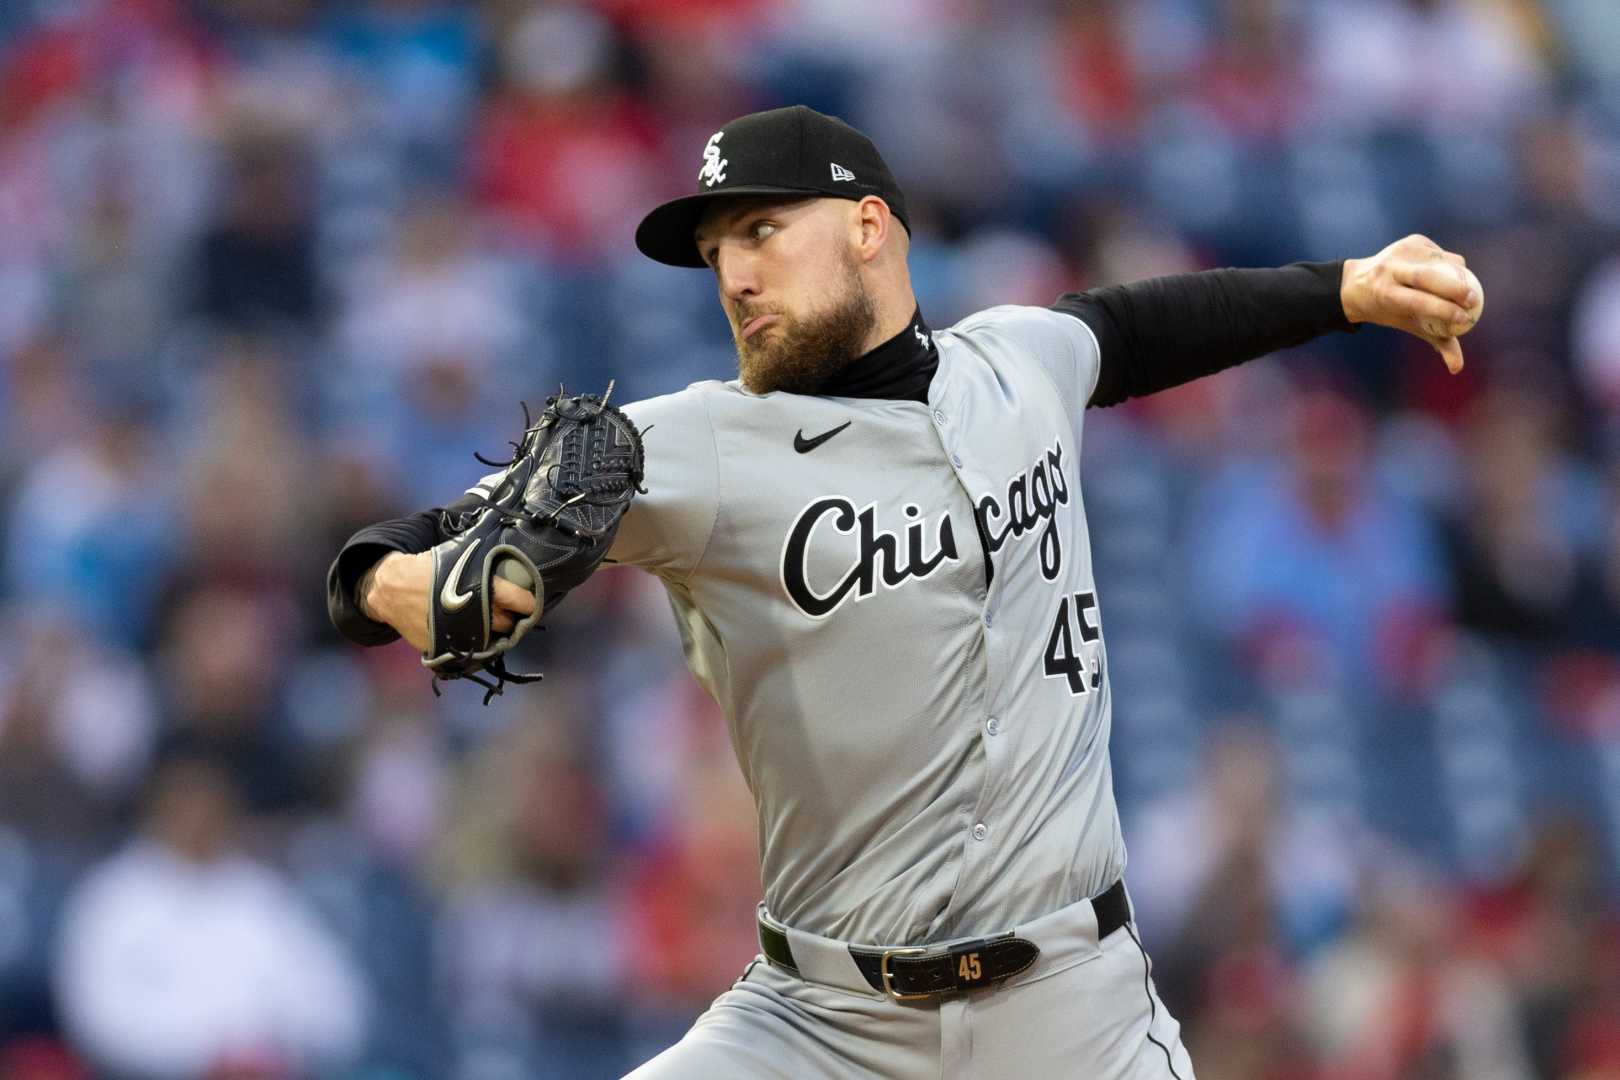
{"points": [[1166, 331]]}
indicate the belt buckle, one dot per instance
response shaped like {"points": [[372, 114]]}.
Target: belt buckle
{"points": [[888, 979]]}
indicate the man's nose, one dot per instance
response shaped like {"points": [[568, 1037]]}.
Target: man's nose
{"points": [[738, 281]]}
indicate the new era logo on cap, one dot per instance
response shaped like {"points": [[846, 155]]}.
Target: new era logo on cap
{"points": [[841, 173]]}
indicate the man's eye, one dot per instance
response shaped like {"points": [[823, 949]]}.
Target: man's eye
{"points": [[761, 229]]}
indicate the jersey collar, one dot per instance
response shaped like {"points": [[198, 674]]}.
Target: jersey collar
{"points": [[900, 369]]}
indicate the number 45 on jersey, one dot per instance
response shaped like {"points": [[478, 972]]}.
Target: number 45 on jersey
{"points": [[1084, 673]]}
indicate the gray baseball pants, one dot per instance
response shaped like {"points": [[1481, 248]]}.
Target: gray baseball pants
{"points": [[1084, 1010]]}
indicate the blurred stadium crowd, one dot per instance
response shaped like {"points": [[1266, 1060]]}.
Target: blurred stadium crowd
{"points": [[272, 269]]}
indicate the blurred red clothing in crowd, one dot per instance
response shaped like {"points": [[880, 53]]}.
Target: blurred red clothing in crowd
{"points": [[567, 170], [666, 14], [40, 1059], [692, 899]]}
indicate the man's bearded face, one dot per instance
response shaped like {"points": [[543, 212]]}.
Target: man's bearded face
{"points": [[802, 349]]}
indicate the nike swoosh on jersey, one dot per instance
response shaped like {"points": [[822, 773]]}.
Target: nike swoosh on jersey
{"points": [[804, 445], [449, 598]]}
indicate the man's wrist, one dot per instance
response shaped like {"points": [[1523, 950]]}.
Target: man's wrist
{"points": [[364, 592], [1347, 292]]}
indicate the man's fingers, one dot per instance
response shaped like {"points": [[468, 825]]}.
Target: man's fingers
{"points": [[512, 597], [511, 602], [1450, 350], [1439, 277], [1435, 317], [1418, 246]]}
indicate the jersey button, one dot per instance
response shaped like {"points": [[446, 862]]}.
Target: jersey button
{"points": [[988, 621], [939, 417], [993, 725], [980, 831]]}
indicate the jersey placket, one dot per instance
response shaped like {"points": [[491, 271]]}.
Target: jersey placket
{"points": [[958, 433]]}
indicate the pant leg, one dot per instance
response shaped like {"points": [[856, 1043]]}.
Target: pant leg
{"points": [[773, 1026], [1100, 1019]]}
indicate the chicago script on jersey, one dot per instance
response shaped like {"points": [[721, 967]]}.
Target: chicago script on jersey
{"points": [[878, 555], [879, 558], [1032, 502]]}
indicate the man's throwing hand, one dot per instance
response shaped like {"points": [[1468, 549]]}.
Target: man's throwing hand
{"points": [[1417, 286]]}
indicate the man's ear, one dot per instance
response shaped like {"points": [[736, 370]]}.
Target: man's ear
{"points": [[872, 224]]}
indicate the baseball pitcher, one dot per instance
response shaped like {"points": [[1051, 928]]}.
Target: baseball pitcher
{"points": [[875, 547]]}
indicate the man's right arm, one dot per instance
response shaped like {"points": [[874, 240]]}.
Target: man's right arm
{"points": [[1162, 332]]}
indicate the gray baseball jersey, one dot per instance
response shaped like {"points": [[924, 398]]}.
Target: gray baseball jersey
{"points": [[893, 605]]}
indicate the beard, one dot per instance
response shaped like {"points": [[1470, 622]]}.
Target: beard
{"points": [[799, 354]]}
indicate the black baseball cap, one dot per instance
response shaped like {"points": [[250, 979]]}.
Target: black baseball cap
{"points": [[791, 151]]}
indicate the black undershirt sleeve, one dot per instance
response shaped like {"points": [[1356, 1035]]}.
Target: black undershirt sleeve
{"points": [[411, 534], [1166, 331]]}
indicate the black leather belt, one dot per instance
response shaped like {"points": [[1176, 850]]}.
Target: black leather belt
{"points": [[914, 973]]}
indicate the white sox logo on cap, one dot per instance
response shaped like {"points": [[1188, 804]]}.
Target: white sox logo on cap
{"points": [[714, 166]]}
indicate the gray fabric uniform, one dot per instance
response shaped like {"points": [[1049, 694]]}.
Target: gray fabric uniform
{"points": [[920, 706]]}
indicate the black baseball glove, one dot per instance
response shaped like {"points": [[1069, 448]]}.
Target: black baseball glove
{"points": [[545, 525]]}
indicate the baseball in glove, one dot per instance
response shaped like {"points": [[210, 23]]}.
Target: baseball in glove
{"points": [[547, 522]]}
